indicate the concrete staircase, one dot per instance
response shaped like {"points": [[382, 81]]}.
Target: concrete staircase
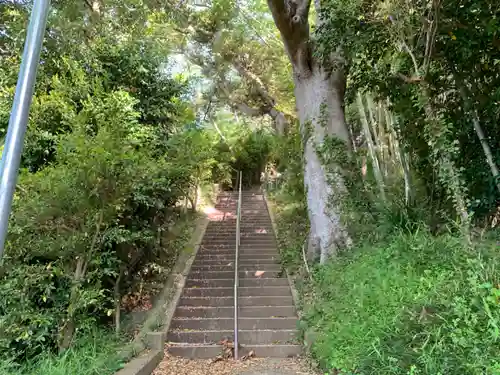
{"points": [[205, 313]]}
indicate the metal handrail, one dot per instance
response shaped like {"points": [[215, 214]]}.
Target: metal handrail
{"points": [[236, 278]]}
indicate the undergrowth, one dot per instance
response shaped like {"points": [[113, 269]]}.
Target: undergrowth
{"points": [[292, 226], [406, 303], [418, 304], [95, 353]]}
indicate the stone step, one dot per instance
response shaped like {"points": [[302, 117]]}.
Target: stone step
{"points": [[241, 268], [257, 242], [226, 324], [217, 235], [250, 221], [242, 301], [243, 256], [225, 259], [228, 245], [250, 229], [212, 351], [243, 249], [228, 312], [255, 224], [245, 204], [230, 217], [243, 262], [227, 237], [246, 337], [228, 283], [250, 250], [229, 257], [243, 240], [230, 274], [232, 236], [233, 205], [246, 256], [242, 291], [230, 229]]}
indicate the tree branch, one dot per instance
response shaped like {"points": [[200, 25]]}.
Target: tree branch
{"points": [[249, 111], [88, 4], [410, 79], [269, 107], [257, 83], [431, 37], [291, 19]]}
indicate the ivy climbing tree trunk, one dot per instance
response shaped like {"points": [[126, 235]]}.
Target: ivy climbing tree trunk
{"points": [[319, 93]]}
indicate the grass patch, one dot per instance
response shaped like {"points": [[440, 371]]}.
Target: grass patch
{"points": [[416, 305], [403, 302], [293, 226], [96, 353]]}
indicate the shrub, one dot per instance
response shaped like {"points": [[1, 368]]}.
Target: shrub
{"points": [[80, 226], [418, 304]]}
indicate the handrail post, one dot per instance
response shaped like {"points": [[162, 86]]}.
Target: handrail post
{"points": [[236, 276]]}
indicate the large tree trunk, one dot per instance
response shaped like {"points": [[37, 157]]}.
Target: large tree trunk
{"points": [[319, 93], [319, 98]]}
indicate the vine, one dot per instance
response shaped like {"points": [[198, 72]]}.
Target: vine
{"points": [[350, 195]]}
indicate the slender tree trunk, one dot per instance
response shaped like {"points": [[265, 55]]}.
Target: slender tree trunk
{"points": [[68, 329], [478, 129], [372, 122], [371, 148], [403, 158], [447, 170], [82, 262], [486, 148], [117, 301], [195, 199]]}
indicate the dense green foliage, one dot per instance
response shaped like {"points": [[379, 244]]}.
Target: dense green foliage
{"points": [[112, 149], [119, 146], [400, 302], [415, 304], [436, 64]]}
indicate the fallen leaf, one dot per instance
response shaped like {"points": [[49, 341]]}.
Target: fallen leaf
{"points": [[248, 356], [217, 359]]}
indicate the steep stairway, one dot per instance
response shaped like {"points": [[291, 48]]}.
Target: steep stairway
{"points": [[205, 313]]}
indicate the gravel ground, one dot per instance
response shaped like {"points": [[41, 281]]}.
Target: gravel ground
{"points": [[254, 366]]}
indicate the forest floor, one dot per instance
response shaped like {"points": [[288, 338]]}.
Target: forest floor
{"points": [[254, 366]]}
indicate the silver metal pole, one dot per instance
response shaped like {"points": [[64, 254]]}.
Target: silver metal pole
{"points": [[236, 266], [18, 122]]}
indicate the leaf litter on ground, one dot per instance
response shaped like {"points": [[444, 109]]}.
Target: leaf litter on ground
{"points": [[225, 364]]}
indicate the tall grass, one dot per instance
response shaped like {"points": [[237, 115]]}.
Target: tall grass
{"points": [[96, 353], [402, 302], [417, 305]]}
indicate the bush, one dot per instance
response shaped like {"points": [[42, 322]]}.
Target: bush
{"points": [[81, 228], [415, 305], [92, 354]]}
